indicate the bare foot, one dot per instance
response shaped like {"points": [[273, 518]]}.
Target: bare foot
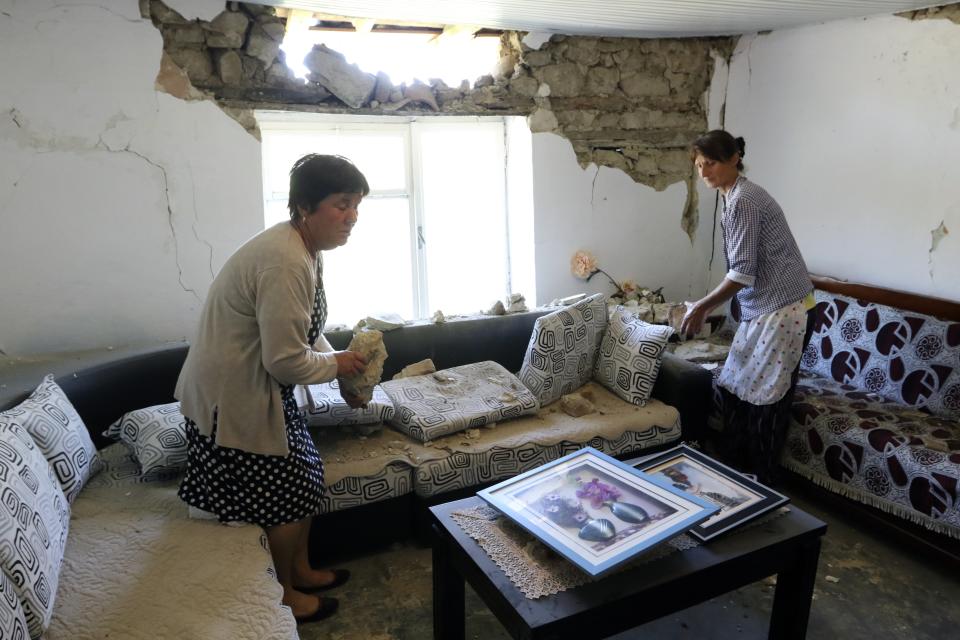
{"points": [[309, 578], [300, 603]]}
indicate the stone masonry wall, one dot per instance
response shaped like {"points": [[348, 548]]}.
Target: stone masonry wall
{"points": [[633, 104]]}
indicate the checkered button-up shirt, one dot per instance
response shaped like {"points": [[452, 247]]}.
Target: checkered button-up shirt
{"points": [[761, 252]]}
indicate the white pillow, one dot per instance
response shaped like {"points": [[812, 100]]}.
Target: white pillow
{"points": [[324, 407], [156, 436], [563, 349], [59, 433], [630, 356], [13, 624], [34, 520]]}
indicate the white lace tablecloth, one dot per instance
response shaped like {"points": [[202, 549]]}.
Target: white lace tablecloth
{"points": [[535, 569]]}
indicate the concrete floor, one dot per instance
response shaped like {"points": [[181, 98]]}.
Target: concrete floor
{"points": [[875, 590]]}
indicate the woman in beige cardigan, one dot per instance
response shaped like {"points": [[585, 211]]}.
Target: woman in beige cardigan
{"points": [[251, 458]]}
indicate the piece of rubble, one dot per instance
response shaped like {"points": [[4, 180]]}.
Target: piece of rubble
{"points": [[438, 317], [381, 322], [832, 579], [346, 81], [369, 344], [574, 404], [516, 303], [496, 310], [416, 369]]}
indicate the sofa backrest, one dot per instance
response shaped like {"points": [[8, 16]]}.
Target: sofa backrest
{"points": [[906, 357]]}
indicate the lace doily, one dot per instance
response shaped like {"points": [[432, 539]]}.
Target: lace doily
{"points": [[535, 569]]}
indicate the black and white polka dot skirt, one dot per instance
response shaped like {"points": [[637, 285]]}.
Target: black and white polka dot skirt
{"points": [[262, 489], [267, 490]]}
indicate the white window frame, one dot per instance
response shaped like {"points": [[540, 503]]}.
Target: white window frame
{"points": [[411, 128]]}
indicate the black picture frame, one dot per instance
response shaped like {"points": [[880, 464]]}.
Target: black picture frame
{"points": [[740, 498]]}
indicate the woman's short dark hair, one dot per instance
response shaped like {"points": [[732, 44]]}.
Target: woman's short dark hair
{"points": [[314, 177], [720, 146]]}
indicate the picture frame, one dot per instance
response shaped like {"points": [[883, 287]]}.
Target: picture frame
{"points": [[739, 497], [596, 511]]}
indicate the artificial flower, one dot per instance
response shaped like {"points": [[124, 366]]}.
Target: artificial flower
{"points": [[583, 265]]}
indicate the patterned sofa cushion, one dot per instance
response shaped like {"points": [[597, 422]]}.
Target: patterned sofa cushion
{"points": [[444, 402], [563, 349], [156, 436], [906, 357], [899, 459], [60, 434], [13, 625], [393, 481], [34, 524], [326, 408], [629, 357]]}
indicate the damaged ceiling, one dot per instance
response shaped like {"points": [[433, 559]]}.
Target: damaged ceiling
{"points": [[622, 18]]}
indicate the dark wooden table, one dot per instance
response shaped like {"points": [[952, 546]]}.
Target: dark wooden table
{"points": [[788, 546]]}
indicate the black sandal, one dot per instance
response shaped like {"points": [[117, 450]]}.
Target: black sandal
{"points": [[340, 577], [328, 607]]}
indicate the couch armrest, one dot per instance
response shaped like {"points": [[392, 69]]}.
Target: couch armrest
{"points": [[689, 388]]}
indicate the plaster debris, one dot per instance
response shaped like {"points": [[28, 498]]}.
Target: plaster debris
{"points": [[381, 322], [575, 405], [416, 369], [516, 303], [497, 309], [369, 344], [438, 317], [832, 579]]}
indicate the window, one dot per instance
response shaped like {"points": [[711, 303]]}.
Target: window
{"points": [[435, 231]]}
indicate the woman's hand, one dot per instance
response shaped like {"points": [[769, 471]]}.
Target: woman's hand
{"points": [[349, 363], [693, 320]]}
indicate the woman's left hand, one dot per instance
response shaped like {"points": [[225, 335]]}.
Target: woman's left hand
{"points": [[353, 401], [349, 363]]}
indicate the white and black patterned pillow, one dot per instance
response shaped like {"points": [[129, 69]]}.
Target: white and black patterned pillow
{"points": [[156, 436], [13, 624], [630, 356], [563, 349], [34, 520], [60, 434], [451, 400], [325, 407]]}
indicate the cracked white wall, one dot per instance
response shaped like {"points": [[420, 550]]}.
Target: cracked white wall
{"points": [[117, 203], [853, 127]]}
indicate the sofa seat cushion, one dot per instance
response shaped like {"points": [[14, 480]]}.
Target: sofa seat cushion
{"points": [[488, 454], [137, 567], [13, 623], [896, 458], [362, 469]]}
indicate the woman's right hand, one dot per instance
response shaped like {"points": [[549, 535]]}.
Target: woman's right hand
{"points": [[349, 363]]}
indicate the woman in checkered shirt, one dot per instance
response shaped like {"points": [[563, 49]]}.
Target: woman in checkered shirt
{"points": [[770, 294]]}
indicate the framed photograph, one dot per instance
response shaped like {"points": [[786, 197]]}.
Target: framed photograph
{"points": [[739, 497], [597, 511]]}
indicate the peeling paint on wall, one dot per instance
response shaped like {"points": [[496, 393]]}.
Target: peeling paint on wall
{"points": [[949, 12], [936, 236]]}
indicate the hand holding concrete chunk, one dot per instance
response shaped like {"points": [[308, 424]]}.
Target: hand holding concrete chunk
{"points": [[358, 387]]}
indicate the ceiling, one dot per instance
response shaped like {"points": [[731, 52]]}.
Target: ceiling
{"points": [[625, 18]]}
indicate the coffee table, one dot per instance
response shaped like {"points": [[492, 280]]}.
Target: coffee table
{"points": [[788, 546]]}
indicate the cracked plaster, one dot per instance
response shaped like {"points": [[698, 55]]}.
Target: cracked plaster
{"points": [[624, 103]]}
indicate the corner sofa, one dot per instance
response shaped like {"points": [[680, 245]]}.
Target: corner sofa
{"points": [[373, 478]]}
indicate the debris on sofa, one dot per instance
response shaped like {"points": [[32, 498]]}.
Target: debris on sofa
{"points": [[369, 344], [575, 405], [700, 351], [438, 317], [381, 322], [416, 369], [569, 300], [496, 310], [516, 303]]}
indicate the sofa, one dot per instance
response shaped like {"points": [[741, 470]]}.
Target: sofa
{"points": [[876, 415], [372, 477]]}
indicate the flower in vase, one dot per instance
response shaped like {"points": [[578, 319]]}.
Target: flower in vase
{"points": [[583, 264], [598, 493], [630, 289]]}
